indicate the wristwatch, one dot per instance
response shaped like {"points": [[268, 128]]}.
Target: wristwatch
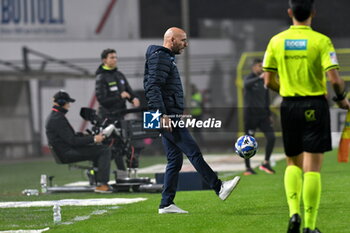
{"points": [[340, 97]]}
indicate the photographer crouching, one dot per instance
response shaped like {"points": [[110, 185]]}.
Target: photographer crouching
{"points": [[71, 147]]}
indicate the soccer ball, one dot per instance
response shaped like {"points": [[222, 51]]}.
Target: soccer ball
{"points": [[246, 146]]}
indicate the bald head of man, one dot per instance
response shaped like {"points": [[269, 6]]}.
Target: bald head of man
{"points": [[175, 39]]}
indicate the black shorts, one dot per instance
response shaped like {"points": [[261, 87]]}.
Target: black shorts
{"points": [[305, 125], [252, 123]]}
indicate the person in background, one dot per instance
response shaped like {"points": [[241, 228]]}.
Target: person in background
{"points": [[196, 111], [112, 91], [71, 147], [257, 114]]}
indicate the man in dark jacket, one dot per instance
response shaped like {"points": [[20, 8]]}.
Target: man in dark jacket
{"points": [[257, 114], [112, 90], [71, 147], [164, 94]]}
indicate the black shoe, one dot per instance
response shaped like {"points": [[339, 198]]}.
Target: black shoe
{"points": [[307, 230], [294, 224], [267, 168]]}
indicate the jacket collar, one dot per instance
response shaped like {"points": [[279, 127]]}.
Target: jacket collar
{"points": [[100, 70], [107, 68], [300, 27], [56, 108]]}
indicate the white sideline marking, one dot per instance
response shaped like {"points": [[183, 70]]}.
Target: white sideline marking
{"points": [[76, 219], [72, 202], [85, 217], [27, 231]]}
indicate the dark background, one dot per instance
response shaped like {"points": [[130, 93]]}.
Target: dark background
{"points": [[332, 17]]}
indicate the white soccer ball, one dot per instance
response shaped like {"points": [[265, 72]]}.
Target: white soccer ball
{"points": [[246, 146]]}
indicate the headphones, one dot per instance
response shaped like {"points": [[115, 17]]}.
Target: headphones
{"points": [[60, 98]]}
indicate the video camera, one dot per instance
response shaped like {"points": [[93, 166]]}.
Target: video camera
{"points": [[99, 125], [121, 133]]}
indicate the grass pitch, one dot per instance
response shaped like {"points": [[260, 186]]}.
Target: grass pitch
{"points": [[258, 205]]}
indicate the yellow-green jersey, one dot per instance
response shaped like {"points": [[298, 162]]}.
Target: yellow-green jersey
{"points": [[301, 56]]}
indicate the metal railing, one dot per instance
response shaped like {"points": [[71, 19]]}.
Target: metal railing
{"points": [[35, 62]]}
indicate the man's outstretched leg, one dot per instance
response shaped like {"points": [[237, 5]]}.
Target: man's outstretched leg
{"points": [[184, 141]]}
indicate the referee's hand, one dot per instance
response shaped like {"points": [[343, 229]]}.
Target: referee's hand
{"points": [[344, 104]]}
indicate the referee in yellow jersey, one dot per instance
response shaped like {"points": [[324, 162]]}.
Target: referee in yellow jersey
{"points": [[301, 57]]}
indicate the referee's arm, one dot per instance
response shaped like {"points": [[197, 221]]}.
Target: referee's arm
{"points": [[270, 81], [338, 87]]}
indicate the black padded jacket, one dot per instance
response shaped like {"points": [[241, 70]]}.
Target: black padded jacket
{"points": [[109, 85], [162, 83]]}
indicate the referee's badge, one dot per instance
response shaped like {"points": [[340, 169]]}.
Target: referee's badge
{"points": [[333, 57]]}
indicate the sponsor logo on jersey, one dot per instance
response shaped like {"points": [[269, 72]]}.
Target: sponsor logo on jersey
{"points": [[295, 44]]}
